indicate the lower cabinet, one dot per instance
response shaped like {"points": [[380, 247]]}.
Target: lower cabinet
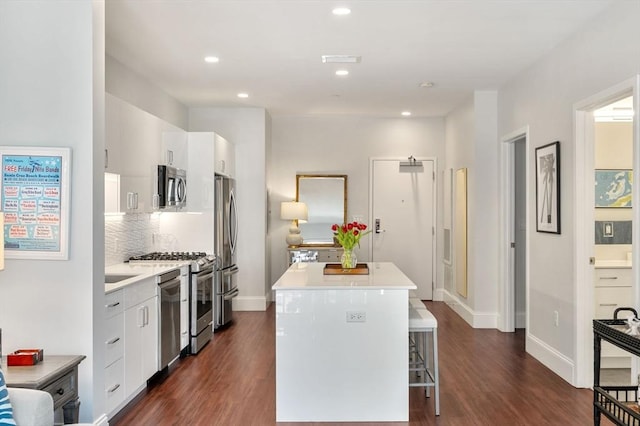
{"points": [[141, 344], [131, 341], [613, 289], [184, 308]]}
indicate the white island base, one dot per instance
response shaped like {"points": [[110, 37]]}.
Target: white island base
{"points": [[341, 345]]}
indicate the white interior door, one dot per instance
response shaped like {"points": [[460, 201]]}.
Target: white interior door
{"points": [[402, 216]]}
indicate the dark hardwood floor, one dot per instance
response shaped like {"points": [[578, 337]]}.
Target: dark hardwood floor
{"points": [[486, 379]]}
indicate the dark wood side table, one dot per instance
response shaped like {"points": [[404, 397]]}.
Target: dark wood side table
{"points": [[56, 374]]}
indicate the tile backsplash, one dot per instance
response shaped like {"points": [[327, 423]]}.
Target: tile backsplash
{"points": [[613, 232], [128, 235]]}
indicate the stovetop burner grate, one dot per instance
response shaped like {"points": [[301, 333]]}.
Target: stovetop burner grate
{"points": [[170, 256]]}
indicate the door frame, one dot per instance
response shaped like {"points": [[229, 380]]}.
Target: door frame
{"points": [[434, 190], [583, 223], [506, 281]]}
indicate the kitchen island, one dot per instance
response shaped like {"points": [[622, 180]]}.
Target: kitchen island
{"points": [[341, 344]]}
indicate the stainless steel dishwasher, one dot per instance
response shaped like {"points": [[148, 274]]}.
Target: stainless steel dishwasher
{"points": [[169, 341]]}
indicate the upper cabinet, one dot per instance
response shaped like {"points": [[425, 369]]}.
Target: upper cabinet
{"points": [[200, 171], [136, 142], [174, 149], [225, 157]]}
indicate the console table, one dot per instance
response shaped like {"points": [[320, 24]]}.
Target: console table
{"points": [[330, 254], [56, 374]]}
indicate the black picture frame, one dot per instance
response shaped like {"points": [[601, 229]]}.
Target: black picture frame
{"points": [[548, 188]]}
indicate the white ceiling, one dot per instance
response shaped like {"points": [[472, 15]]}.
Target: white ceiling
{"points": [[271, 49]]}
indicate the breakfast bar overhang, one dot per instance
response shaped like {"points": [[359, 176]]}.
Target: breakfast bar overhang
{"points": [[341, 345]]}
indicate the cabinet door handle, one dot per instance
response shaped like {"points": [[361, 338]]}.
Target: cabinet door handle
{"points": [[106, 158], [141, 316], [608, 278], [146, 315], [114, 388], [60, 391], [112, 341], [608, 304], [112, 305]]}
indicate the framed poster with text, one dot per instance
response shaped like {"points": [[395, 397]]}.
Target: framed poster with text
{"points": [[34, 196]]}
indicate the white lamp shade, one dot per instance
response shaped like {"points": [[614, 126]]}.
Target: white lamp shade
{"points": [[1, 241], [293, 210]]}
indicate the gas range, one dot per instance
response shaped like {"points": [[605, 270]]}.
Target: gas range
{"points": [[198, 260]]}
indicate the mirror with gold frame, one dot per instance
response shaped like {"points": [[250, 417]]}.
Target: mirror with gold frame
{"points": [[326, 200]]}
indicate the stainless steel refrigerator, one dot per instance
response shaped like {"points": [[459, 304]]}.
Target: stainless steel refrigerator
{"points": [[225, 244]]}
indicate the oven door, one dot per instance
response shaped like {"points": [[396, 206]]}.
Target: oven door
{"points": [[201, 301]]}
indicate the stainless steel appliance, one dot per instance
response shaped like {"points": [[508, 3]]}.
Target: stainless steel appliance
{"points": [[201, 303], [169, 314], [172, 187], [225, 241], [201, 291]]}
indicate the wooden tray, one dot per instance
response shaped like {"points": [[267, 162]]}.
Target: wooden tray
{"points": [[337, 269]]}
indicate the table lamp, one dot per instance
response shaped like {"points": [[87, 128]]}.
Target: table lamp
{"points": [[293, 211]]}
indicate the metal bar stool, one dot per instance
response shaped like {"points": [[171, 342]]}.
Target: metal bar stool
{"points": [[422, 324]]}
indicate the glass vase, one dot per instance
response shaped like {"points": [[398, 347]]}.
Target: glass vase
{"points": [[349, 259]]}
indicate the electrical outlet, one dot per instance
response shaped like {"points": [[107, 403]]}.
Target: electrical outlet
{"points": [[356, 316], [555, 318]]}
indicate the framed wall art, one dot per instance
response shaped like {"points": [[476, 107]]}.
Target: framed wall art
{"points": [[548, 188], [613, 188], [34, 196]]}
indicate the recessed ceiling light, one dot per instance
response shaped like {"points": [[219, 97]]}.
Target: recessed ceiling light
{"points": [[406, 113], [340, 59], [211, 59], [243, 95], [426, 84], [342, 73], [341, 11]]}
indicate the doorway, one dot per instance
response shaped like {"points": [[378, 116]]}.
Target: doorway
{"points": [[514, 249], [586, 255], [402, 208]]}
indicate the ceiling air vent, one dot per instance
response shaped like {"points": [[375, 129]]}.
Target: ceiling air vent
{"points": [[340, 59]]}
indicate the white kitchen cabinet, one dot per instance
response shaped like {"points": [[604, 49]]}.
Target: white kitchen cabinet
{"points": [[613, 289], [136, 143], [184, 307], [200, 171], [114, 349], [112, 150], [140, 334], [174, 149], [225, 157]]}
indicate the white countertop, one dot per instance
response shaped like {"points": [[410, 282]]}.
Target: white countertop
{"points": [[309, 276], [613, 264], [139, 270]]}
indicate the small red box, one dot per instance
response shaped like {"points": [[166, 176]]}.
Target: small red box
{"points": [[25, 357]]}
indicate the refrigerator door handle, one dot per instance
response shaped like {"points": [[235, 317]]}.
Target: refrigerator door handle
{"points": [[231, 271], [233, 221], [231, 294]]}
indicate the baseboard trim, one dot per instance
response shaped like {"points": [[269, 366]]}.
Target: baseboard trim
{"points": [[103, 420], [473, 318], [250, 303], [438, 295], [550, 358]]}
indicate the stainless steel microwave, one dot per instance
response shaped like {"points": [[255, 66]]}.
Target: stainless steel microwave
{"points": [[172, 187]]}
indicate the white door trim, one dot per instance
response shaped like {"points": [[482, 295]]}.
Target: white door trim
{"points": [[435, 267], [584, 216], [506, 284]]}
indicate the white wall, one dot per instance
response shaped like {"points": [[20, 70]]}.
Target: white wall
{"points": [[471, 133], [52, 55], [344, 145], [135, 89], [247, 128], [603, 54]]}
